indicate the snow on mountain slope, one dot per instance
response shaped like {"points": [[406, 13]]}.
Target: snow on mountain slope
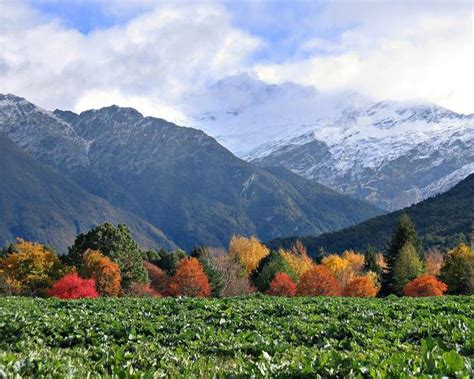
{"points": [[243, 113], [391, 153]]}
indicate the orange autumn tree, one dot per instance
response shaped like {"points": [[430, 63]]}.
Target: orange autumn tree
{"points": [[297, 258], [103, 270], [31, 269], [249, 251], [361, 286], [318, 281], [281, 285], [190, 280], [425, 285]]}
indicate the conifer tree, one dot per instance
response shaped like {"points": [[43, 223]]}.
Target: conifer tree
{"points": [[404, 234], [371, 263], [406, 268]]}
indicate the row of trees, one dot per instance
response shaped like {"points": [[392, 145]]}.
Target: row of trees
{"points": [[106, 261]]}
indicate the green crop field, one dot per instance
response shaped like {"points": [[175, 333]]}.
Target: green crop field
{"points": [[240, 337]]}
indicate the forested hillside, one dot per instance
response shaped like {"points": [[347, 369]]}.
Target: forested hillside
{"points": [[441, 221]]}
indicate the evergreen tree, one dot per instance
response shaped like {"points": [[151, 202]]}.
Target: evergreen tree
{"points": [[404, 234], [268, 267], [117, 244], [371, 263], [169, 261], [406, 268], [215, 278]]}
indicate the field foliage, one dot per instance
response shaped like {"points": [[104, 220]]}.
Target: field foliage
{"points": [[257, 335]]}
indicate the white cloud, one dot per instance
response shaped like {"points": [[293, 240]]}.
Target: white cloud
{"points": [[152, 59], [394, 51], [386, 50]]}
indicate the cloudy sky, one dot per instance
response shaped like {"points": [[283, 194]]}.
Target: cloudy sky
{"points": [[149, 54]]}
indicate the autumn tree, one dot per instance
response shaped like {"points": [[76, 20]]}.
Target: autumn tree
{"points": [[268, 267], [406, 268], [434, 261], [30, 269], [361, 286], [249, 250], [141, 290], [403, 236], [159, 280], [425, 285], [340, 267], [72, 286], [356, 261], [297, 258], [117, 244], [281, 285], [190, 280], [458, 271], [103, 270], [235, 281], [318, 281]]}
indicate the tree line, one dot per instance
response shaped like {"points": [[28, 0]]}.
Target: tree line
{"points": [[106, 261]]}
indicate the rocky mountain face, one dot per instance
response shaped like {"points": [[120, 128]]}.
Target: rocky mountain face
{"points": [[442, 221], [392, 154], [178, 179], [39, 204]]}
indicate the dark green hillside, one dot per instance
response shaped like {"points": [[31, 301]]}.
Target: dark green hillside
{"points": [[441, 221]]}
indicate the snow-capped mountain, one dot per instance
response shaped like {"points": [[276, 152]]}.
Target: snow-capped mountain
{"points": [[390, 153]]}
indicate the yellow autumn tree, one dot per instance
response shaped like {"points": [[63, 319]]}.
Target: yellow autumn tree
{"points": [[31, 269], [248, 250], [297, 258], [339, 266], [356, 260]]}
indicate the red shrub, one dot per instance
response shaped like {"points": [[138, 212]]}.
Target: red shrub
{"points": [[159, 280], [318, 281], [425, 285], [141, 290], [190, 280], [72, 286], [281, 285]]}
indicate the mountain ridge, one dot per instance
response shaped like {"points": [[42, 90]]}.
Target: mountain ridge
{"points": [[176, 178]]}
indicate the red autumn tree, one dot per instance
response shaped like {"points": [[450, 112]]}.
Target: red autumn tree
{"points": [[281, 285], [425, 285], [141, 290], [72, 286], [190, 280], [103, 270], [318, 281], [361, 286], [159, 280]]}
